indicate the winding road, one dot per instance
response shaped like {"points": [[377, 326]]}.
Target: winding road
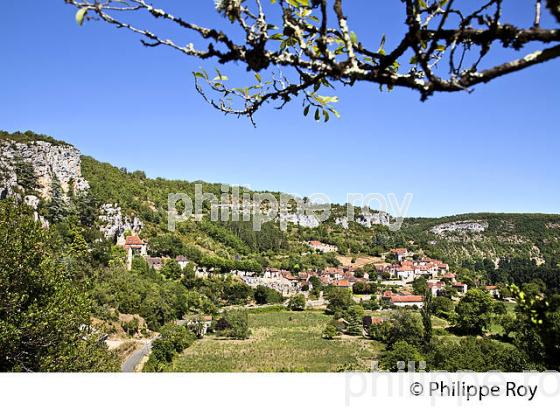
{"points": [[132, 361]]}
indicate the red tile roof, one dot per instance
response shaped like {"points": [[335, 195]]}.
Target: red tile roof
{"points": [[406, 299], [287, 275], [134, 241]]}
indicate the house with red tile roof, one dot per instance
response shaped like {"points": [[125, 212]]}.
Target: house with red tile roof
{"points": [[322, 247], [133, 246], [344, 283], [401, 253], [436, 287], [460, 287], [407, 300], [493, 290]]}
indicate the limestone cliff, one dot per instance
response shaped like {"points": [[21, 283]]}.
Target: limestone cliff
{"points": [[47, 161]]}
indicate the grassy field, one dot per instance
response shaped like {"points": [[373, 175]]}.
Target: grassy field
{"points": [[281, 342]]}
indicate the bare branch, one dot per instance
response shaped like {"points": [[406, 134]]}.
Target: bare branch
{"points": [[298, 54]]}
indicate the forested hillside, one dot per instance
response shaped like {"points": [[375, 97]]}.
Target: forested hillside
{"points": [[531, 236]]}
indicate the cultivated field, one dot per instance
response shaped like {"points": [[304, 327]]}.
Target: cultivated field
{"points": [[281, 341]]}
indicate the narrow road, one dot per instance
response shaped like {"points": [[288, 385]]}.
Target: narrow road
{"points": [[136, 357]]}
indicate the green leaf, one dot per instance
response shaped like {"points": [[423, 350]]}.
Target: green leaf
{"points": [[80, 15], [381, 49], [306, 110], [335, 112], [317, 115]]}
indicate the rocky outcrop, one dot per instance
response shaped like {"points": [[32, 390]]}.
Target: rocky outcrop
{"points": [[113, 224], [366, 219], [48, 161], [460, 227], [307, 221], [371, 219], [33, 202]]}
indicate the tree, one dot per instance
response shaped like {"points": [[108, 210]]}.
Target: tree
{"points": [[167, 245], [477, 355], [443, 307], [297, 302], [87, 208], [400, 356], [354, 315], [537, 328], [310, 45], [426, 312], [339, 300], [235, 324], [406, 326], [25, 174], [380, 331], [316, 286], [474, 312], [364, 288], [173, 339], [44, 315], [420, 285], [57, 208], [264, 295], [171, 269]]}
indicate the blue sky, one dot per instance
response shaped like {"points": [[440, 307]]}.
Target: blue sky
{"points": [[97, 88]]}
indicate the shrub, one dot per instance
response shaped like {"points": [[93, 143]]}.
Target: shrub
{"points": [[173, 339], [330, 332], [264, 295], [234, 324], [297, 303], [402, 352]]}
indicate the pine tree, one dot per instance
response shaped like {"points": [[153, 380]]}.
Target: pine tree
{"points": [[426, 313], [57, 208], [354, 317], [25, 173]]}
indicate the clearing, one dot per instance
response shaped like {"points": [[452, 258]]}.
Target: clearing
{"points": [[281, 341]]}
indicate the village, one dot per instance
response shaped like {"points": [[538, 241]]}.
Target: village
{"points": [[394, 279]]}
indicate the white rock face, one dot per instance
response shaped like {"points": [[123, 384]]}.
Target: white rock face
{"points": [[33, 202], [460, 227], [342, 222], [308, 221], [48, 161], [367, 219], [114, 224]]}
